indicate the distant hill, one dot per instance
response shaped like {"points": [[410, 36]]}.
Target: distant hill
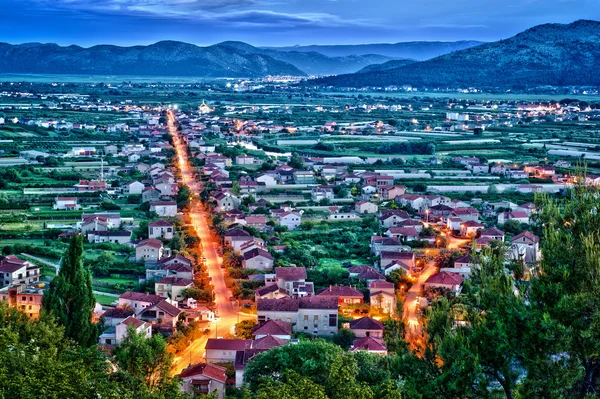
{"points": [[314, 63], [405, 50], [166, 58], [386, 66], [550, 54]]}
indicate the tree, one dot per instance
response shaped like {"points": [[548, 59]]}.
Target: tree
{"points": [[178, 243], [566, 295], [296, 161], [292, 386], [70, 298], [183, 196], [243, 329], [145, 364], [344, 338]]}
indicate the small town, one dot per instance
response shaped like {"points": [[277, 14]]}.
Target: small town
{"points": [[248, 199], [227, 238]]}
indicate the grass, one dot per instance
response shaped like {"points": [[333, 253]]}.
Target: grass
{"points": [[337, 263], [105, 299], [115, 280]]}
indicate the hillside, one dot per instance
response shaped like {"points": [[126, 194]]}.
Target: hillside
{"points": [[550, 54], [413, 50], [167, 58], [313, 63], [386, 66]]}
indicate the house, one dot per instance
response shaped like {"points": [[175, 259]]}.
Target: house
{"points": [[163, 315], [224, 350], [345, 295], [235, 238], [390, 192], [91, 185], [164, 208], [525, 247], [494, 234], [161, 228], [244, 160], [114, 316], [66, 204], [416, 202], [291, 220], [291, 279], [95, 223], [17, 271], [382, 296], [275, 328], [150, 194], [26, 298], [138, 301], [367, 273], [365, 207], [203, 379], [310, 315], [392, 217], [445, 280], [270, 291], [465, 214], [462, 266], [267, 180], [389, 258], [379, 244], [172, 287], [226, 201], [470, 228], [257, 222], [257, 259], [403, 233], [321, 193], [135, 188], [519, 216], [303, 177], [369, 344], [150, 250], [122, 237], [367, 327], [114, 335]]}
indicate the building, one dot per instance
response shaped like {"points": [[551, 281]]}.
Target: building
{"points": [[365, 207], [17, 271], [203, 379], [226, 201], [445, 280], [95, 223], [275, 328], [470, 228], [164, 208], [311, 315], [114, 335], [290, 220], [27, 299], [66, 204], [122, 237], [172, 287], [257, 259], [150, 250], [235, 238], [382, 296], [224, 350], [525, 247], [291, 279], [369, 344], [162, 229], [345, 295], [367, 327], [135, 188]]}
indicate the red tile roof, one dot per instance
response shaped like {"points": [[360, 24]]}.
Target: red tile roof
{"points": [[369, 344], [290, 273], [208, 370], [340, 291], [273, 327], [228, 344], [151, 242], [366, 323]]}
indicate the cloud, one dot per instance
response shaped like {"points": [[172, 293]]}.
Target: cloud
{"points": [[215, 11]]}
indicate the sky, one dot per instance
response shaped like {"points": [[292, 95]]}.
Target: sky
{"points": [[278, 22]]}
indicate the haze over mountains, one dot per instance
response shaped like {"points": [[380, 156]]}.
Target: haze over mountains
{"points": [[550, 54], [227, 59]]}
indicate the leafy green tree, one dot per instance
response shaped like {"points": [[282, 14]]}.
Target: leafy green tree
{"points": [[292, 386], [296, 161], [566, 295], [145, 364], [70, 299], [243, 329], [344, 338]]}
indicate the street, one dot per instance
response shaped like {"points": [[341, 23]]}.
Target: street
{"points": [[227, 313]]}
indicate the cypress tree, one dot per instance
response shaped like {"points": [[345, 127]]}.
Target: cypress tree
{"points": [[70, 298]]}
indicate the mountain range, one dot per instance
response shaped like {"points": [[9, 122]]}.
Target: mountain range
{"points": [[407, 50], [545, 55], [172, 58]]}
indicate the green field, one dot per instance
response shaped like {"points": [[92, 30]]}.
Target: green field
{"points": [[105, 299]]}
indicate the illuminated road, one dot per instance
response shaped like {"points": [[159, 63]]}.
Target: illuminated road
{"points": [[227, 312], [411, 304]]}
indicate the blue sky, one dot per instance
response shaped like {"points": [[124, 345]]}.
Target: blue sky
{"points": [[278, 22]]}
